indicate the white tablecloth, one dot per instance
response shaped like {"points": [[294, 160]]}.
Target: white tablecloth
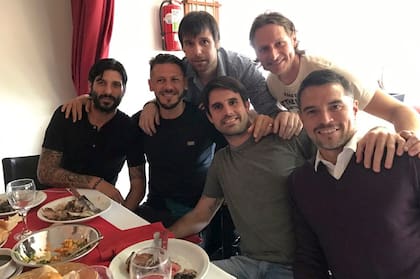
{"points": [[131, 220]]}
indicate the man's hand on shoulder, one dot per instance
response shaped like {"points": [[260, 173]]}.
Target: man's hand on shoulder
{"points": [[412, 145], [75, 106], [287, 124], [149, 118], [371, 148], [261, 126]]}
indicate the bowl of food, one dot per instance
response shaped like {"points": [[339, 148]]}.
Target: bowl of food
{"points": [[187, 259], [56, 244]]}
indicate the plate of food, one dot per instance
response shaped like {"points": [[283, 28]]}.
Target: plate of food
{"points": [[186, 258], [6, 209], [71, 210], [56, 244]]}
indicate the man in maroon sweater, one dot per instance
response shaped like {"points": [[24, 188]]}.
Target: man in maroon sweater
{"points": [[350, 222]]}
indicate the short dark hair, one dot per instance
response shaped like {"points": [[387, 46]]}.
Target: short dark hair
{"points": [[165, 58], [224, 82], [193, 23], [105, 64], [273, 18], [321, 77]]}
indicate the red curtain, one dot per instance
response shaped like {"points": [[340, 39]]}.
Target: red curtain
{"points": [[92, 30]]}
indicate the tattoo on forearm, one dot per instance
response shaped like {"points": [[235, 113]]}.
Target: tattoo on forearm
{"points": [[52, 172]]}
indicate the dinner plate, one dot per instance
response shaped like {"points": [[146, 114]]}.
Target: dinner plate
{"points": [[185, 253], [39, 198], [97, 198], [33, 251]]}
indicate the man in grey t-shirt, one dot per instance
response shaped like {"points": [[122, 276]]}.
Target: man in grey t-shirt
{"points": [[251, 178]]}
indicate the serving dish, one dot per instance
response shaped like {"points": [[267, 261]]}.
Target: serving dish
{"points": [[97, 198], [54, 244], [187, 254]]}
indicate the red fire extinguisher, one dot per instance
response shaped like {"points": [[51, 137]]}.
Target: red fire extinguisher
{"points": [[170, 16]]}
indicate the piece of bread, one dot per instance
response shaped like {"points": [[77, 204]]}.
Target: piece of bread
{"points": [[10, 223], [4, 234], [50, 275]]}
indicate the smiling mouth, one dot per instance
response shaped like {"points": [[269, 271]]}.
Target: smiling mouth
{"points": [[230, 121], [326, 131]]}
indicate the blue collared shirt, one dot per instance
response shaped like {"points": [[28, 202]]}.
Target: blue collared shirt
{"points": [[242, 68]]}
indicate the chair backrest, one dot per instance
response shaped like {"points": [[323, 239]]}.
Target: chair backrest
{"points": [[21, 167]]}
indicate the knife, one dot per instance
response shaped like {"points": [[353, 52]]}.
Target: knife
{"points": [[85, 200]]}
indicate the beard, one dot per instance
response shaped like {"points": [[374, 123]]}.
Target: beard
{"points": [[335, 142], [170, 106], [108, 107]]}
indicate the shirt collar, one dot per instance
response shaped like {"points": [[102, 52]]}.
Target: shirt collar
{"points": [[351, 145]]}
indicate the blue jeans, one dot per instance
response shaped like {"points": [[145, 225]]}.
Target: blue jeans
{"points": [[246, 268]]}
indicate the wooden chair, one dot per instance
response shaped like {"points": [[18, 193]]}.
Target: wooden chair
{"points": [[21, 167]]}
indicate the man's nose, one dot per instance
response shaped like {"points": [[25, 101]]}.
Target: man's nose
{"points": [[197, 49], [325, 116], [273, 53]]}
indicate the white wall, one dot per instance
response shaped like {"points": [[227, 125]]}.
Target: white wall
{"points": [[35, 74]]}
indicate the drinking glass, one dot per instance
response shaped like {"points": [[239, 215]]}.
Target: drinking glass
{"points": [[21, 194], [150, 263]]}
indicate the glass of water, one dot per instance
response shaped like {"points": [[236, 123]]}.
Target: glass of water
{"points": [[21, 194], [150, 263]]}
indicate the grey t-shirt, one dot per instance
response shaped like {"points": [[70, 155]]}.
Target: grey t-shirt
{"points": [[253, 180]]}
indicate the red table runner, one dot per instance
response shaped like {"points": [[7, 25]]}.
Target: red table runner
{"points": [[115, 240]]}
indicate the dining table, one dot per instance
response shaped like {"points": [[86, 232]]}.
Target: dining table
{"points": [[119, 226]]}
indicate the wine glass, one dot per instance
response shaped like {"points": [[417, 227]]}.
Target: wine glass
{"points": [[150, 262], [21, 194]]}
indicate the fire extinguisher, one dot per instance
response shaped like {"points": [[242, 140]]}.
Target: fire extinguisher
{"points": [[170, 16]]}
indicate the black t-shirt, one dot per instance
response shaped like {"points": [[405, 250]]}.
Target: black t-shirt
{"points": [[87, 150], [179, 155]]}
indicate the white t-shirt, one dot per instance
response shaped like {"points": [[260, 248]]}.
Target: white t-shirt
{"points": [[286, 95]]}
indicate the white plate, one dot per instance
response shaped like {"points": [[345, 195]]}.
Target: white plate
{"points": [[97, 198], [50, 239], [187, 254], [39, 198]]}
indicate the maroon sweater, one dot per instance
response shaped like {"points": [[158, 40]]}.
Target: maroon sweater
{"points": [[365, 225]]}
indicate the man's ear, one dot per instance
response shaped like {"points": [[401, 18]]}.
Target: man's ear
{"points": [[355, 106], [247, 105], [150, 85], [209, 117]]}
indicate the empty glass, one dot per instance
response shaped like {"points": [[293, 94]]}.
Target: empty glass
{"points": [[21, 195], [150, 263]]}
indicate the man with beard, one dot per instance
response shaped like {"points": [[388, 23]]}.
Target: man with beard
{"points": [[350, 221], [91, 152], [180, 151], [251, 177]]}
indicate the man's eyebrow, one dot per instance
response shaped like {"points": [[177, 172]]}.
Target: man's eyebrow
{"points": [[308, 108]]}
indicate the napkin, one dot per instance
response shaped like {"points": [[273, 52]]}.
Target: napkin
{"points": [[110, 246]]}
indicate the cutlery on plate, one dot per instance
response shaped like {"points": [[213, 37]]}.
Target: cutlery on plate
{"points": [[84, 200], [81, 249]]}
